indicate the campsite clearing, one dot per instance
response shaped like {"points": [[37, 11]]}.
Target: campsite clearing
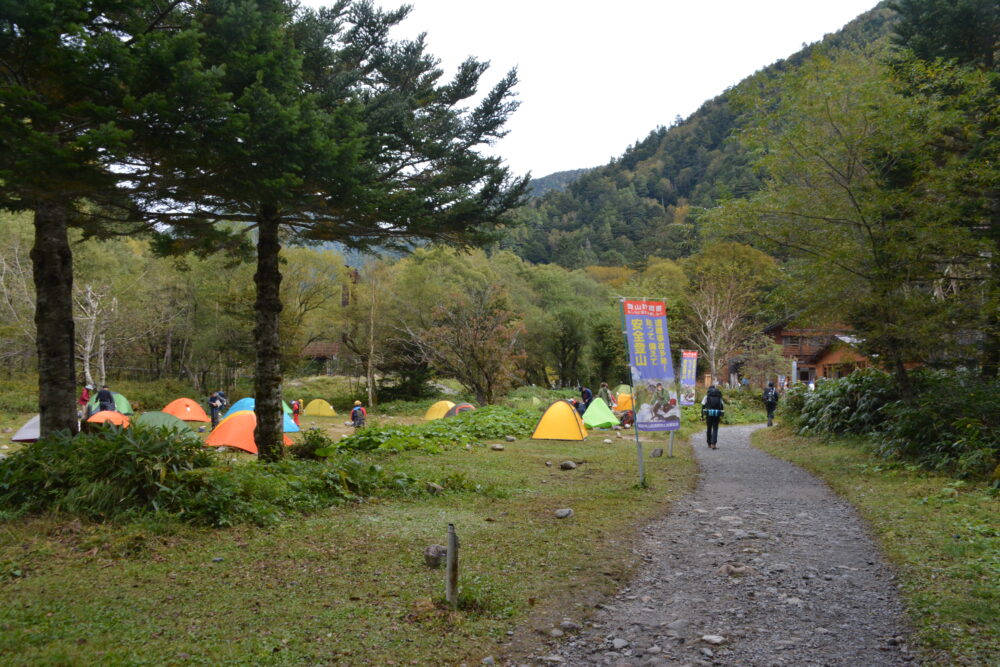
{"points": [[346, 585]]}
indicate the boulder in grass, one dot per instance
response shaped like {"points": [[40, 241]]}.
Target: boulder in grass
{"points": [[509, 438], [435, 555], [657, 453], [564, 513], [568, 465], [497, 448]]}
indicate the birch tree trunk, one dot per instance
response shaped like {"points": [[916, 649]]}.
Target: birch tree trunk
{"points": [[52, 266], [267, 384]]}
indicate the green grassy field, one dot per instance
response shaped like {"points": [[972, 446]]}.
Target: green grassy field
{"points": [[346, 585], [942, 535]]}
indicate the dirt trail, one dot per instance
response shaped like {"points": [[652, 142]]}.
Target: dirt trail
{"points": [[761, 565]]}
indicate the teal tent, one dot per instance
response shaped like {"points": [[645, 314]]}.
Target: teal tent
{"points": [[248, 404], [599, 415], [121, 404]]}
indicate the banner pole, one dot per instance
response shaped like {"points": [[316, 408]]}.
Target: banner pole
{"points": [[635, 427]]}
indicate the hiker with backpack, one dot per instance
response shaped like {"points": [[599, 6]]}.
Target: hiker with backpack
{"points": [[712, 409], [770, 398], [358, 415], [105, 399]]}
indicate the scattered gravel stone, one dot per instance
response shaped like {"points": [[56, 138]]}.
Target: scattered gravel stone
{"points": [[218, 559], [488, 660], [509, 438], [607, 441], [567, 465], [714, 640], [435, 555], [570, 626], [556, 632], [619, 643], [548, 464], [813, 592], [656, 453], [497, 448], [435, 488], [564, 513]]}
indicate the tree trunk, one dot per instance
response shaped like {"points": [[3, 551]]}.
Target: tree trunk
{"points": [[267, 377], [52, 262], [371, 349]]}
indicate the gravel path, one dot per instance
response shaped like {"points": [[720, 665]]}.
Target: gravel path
{"points": [[761, 565]]}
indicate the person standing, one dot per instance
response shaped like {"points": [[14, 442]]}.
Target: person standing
{"points": [[358, 415], [712, 409], [215, 402], [296, 409], [586, 396], [770, 398], [604, 393], [83, 401], [105, 399]]}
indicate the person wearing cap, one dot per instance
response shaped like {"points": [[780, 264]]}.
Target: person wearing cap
{"points": [[358, 415]]}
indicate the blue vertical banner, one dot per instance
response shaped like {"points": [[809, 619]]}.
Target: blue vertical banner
{"points": [[654, 397], [689, 376]]}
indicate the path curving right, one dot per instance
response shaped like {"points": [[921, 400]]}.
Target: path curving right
{"points": [[761, 565]]}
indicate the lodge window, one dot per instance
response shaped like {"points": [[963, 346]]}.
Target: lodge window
{"points": [[791, 341]]}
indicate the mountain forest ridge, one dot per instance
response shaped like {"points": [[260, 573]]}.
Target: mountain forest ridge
{"points": [[644, 203]]}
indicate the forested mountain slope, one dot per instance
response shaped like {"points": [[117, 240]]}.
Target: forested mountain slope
{"points": [[640, 205]]}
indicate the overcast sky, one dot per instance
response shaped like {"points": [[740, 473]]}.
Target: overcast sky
{"points": [[598, 76]]}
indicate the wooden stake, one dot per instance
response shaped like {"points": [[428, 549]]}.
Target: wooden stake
{"points": [[451, 582]]}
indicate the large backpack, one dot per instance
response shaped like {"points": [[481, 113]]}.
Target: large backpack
{"points": [[770, 395], [713, 404]]}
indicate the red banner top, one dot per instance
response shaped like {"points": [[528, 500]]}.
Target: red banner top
{"points": [[647, 308], [689, 354]]}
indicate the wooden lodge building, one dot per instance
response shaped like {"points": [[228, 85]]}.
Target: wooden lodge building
{"points": [[819, 353]]}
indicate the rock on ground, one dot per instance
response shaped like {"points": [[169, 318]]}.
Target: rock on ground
{"points": [[811, 588]]}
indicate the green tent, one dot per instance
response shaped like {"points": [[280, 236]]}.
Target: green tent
{"points": [[158, 419], [599, 415], [622, 389], [121, 404]]}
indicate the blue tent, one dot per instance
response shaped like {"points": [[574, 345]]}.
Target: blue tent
{"points": [[248, 404]]}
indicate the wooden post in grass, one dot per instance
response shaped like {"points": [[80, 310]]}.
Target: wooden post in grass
{"points": [[670, 452], [451, 581]]}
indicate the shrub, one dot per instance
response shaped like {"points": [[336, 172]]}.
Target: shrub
{"points": [[489, 422], [100, 474], [850, 405], [312, 440], [952, 422]]}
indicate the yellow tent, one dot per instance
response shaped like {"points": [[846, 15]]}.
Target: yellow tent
{"points": [[560, 422], [438, 410], [624, 402], [320, 408]]}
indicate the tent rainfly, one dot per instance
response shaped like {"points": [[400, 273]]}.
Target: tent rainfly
{"points": [[165, 420], [438, 410], [560, 421], [187, 410], [237, 431], [121, 404], [320, 408], [599, 415], [248, 404], [622, 389], [287, 425], [109, 416], [624, 401], [30, 432], [461, 407]]}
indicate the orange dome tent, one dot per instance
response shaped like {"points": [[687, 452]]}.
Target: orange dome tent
{"points": [[236, 430], [187, 410], [105, 416]]}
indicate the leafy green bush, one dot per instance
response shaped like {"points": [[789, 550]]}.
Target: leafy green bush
{"points": [[465, 428], [312, 440], [265, 494], [850, 405], [953, 422], [100, 474]]}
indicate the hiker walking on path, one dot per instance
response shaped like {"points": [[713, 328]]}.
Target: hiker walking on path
{"points": [[105, 399], [770, 398], [712, 409]]}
